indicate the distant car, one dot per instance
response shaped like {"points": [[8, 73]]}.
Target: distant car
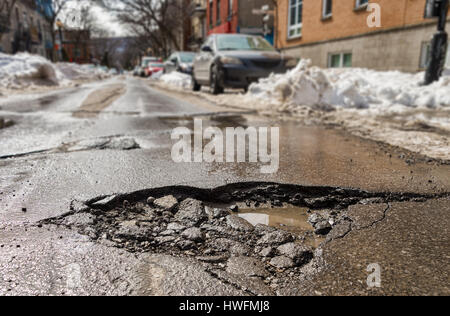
{"points": [[180, 61], [236, 61], [145, 62], [153, 68]]}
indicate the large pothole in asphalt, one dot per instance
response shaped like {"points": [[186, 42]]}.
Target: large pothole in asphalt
{"points": [[263, 231]]}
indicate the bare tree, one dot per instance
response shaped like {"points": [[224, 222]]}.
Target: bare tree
{"points": [[58, 7], [162, 23], [6, 9]]}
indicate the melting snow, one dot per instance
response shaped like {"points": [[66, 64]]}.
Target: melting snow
{"points": [[24, 70]]}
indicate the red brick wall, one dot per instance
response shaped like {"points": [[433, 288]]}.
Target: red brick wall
{"points": [[225, 26], [345, 20]]}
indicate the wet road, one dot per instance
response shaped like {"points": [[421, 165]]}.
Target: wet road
{"points": [[52, 155]]}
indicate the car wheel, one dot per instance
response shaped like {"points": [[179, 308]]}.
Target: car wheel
{"points": [[215, 86], [195, 85]]}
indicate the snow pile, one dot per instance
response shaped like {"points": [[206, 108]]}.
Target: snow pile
{"points": [[24, 70], [176, 79], [351, 88], [81, 72], [157, 75]]}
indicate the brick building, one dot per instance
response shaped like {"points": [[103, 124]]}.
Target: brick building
{"points": [[235, 16], [335, 33], [77, 46], [29, 29]]}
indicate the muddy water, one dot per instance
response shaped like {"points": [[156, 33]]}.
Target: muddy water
{"points": [[292, 219]]}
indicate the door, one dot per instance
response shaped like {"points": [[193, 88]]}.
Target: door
{"points": [[203, 62]]}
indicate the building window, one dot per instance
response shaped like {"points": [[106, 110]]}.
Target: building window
{"points": [[295, 18], [211, 18], [340, 60], [230, 8], [327, 10], [361, 4], [218, 12]]}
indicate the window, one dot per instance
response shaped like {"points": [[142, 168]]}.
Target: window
{"points": [[218, 12], [361, 3], [230, 8], [425, 55], [211, 12], [242, 42], [327, 10], [295, 18], [340, 60]]}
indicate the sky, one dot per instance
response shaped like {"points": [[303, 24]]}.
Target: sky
{"points": [[103, 16]]}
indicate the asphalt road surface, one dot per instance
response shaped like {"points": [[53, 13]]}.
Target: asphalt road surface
{"points": [[114, 137]]}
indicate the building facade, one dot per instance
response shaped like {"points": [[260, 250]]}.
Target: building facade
{"points": [[76, 45], [198, 24], [236, 16], [336, 33], [29, 29]]}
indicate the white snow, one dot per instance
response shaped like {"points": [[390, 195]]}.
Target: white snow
{"points": [[176, 79], [23, 70], [351, 88]]}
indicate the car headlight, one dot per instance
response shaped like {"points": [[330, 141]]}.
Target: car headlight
{"points": [[291, 62], [230, 61], [184, 66]]}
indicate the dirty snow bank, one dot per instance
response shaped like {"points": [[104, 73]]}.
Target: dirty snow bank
{"points": [[175, 79], [23, 70], [350, 88]]}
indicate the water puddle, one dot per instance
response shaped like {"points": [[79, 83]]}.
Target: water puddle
{"points": [[292, 219]]}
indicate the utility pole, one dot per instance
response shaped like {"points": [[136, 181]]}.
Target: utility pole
{"points": [[439, 44], [266, 14], [60, 25]]}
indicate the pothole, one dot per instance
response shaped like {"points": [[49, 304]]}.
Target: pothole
{"points": [[289, 218], [270, 229]]}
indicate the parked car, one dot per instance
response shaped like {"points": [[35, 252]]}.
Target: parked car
{"points": [[236, 61], [154, 68], [145, 62], [180, 61]]}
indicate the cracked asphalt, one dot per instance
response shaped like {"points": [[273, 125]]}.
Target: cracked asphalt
{"points": [[55, 153]]}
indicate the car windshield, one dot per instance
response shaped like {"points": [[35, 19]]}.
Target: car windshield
{"points": [[187, 57], [157, 65], [227, 42]]}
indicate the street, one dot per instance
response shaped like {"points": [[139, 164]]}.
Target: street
{"points": [[74, 156]]}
